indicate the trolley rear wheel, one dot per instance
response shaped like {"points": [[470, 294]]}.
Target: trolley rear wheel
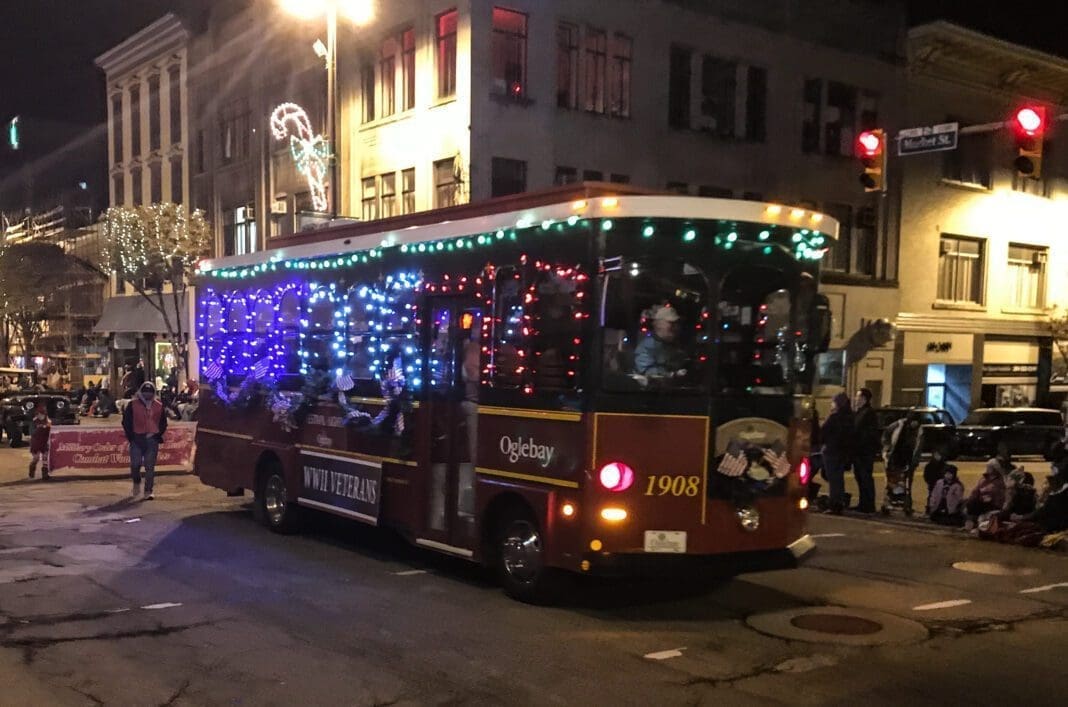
{"points": [[519, 559], [273, 507]]}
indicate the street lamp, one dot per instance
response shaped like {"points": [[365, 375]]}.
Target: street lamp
{"points": [[358, 12]]}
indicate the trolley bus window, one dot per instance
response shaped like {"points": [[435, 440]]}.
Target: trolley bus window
{"points": [[320, 337], [262, 329], [213, 332], [509, 321], [237, 339], [289, 331], [655, 318]]}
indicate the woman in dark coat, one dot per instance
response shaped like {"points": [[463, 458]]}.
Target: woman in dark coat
{"points": [[837, 434]]}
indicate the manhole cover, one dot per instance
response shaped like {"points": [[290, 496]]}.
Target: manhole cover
{"points": [[836, 623], [839, 625], [995, 568]]}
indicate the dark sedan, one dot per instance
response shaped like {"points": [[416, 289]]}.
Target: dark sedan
{"points": [[20, 397], [1023, 431]]}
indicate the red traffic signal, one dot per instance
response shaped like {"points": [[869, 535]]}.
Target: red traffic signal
{"points": [[1031, 120], [870, 143], [1029, 124], [871, 149]]}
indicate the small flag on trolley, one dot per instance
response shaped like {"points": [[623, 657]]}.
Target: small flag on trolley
{"points": [[776, 458], [734, 462], [260, 368], [212, 370]]}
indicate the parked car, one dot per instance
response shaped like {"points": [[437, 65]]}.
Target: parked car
{"points": [[937, 425], [20, 393], [1024, 431]]}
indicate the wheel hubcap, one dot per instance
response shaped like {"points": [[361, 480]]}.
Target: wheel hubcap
{"points": [[274, 498], [522, 551]]}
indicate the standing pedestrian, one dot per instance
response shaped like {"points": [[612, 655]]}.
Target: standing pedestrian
{"points": [[40, 428], [144, 423], [867, 447], [837, 435]]}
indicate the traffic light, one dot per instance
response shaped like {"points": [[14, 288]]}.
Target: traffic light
{"points": [[871, 149], [1029, 124]]}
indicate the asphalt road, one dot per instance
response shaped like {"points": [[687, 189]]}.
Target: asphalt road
{"points": [[186, 601]]}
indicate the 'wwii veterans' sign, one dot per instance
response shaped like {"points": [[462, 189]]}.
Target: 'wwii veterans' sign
{"points": [[931, 138]]}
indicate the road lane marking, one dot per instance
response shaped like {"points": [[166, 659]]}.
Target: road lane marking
{"points": [[942, 605], [664, 655], [164, 605], [828, 535], [132, 520], [409, 573], [1046, 588]]}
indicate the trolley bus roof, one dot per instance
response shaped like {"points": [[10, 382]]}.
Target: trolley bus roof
{"points": [[588, 201]]}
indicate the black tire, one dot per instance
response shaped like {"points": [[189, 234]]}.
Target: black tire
{"points": [[273, 507], [519, 559]]}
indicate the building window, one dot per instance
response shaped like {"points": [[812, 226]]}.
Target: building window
{"points": [[153, 113], [509, 52], [836, 117], [565, 175], [234, 136], [960, 270], [619, 179], [408, 68], [389, 195], [855, 250], [367, 77], [116, 128], [239, 230], [175, 87], [1027, 276], [508, 177], [446, 183], [680, 76], [592, 175], [596, 61], [446, 53], [408, 191], [118, 195], [155, 182], [719, 85], [135, 186], [370, 199], [135, 122], [971, 162], [387, 76], [619, 76], [837, 259], [176, 181], [810, 129], [756, 104], [715, 192], [567, 65]]}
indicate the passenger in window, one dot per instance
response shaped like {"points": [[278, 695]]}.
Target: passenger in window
{"points": [[659, 354]]}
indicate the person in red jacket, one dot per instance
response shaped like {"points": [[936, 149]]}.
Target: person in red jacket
{"points": [[988, 495], [144, 423]]}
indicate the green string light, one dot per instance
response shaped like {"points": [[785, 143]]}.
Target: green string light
{"points": [[689, 236], [648, 232]]}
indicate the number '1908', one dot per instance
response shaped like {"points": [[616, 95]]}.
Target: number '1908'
{"points": [[673, 486]]}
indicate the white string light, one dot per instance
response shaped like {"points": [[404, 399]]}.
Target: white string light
{"points": [[310, 152]]}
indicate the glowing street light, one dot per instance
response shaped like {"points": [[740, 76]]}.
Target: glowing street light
{"points": [[356, 11]]}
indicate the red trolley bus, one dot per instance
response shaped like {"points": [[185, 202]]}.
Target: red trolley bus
{"points": [[577, 380]]}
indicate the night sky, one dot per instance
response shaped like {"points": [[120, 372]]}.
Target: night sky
{"points": [[48, 45]]}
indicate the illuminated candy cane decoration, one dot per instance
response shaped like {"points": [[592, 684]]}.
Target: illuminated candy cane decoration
{"points": [[311, 152]]}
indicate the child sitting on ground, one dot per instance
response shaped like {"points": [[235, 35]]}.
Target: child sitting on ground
{"points": [[40, 426], [945, 506]]}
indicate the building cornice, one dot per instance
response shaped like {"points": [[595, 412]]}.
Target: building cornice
{"points": [[158, 41]]}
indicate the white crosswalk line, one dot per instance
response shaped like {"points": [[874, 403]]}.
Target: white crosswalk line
{"points": [[942, 605]]}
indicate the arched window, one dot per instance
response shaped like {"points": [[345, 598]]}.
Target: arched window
{"points": [[358, 330], [263, 331], [319, 344], [212, 333]]}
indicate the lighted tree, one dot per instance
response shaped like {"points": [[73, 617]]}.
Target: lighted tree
{"points": [[155, 249], [30, 274]]}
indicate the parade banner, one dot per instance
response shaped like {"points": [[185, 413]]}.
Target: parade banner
{"points": [[77, 448]]}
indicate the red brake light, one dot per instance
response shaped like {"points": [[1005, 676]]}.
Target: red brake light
{"points": [[616, 477], [1029, 120], [804, 471]]}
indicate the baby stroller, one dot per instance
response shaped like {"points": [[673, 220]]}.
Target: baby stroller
{"points": [[898, 489], [902, 455]]}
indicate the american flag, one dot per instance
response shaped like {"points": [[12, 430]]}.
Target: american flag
{"points": [[734, 462], [260, 368], [776, 458], [213, 371]]}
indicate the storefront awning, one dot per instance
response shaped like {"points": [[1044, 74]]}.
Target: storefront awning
{"points": [[133, 314]]}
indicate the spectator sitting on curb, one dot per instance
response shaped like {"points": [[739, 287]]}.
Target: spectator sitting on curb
{"points": [[945, 505], [1050, 517], [987, 496]]}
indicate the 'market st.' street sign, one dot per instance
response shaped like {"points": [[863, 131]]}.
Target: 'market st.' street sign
{"points": [[932, 138]]}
